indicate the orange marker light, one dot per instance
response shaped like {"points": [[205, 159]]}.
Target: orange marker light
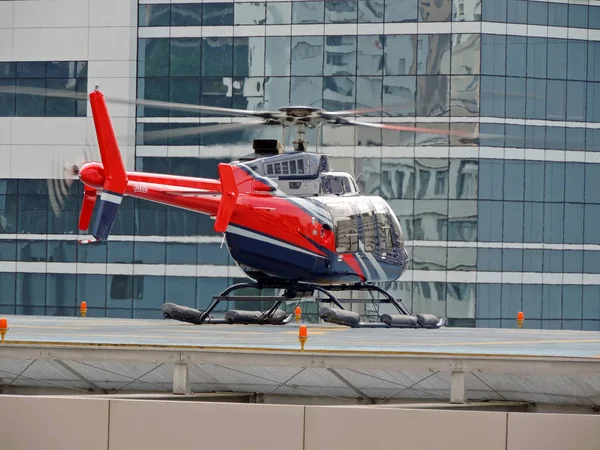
{"points": [[520, 319], [302, 336], [298, 313], [83, 309], [3, 327]]}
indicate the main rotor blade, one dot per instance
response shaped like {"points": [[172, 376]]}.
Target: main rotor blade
{"points": [[151, 103], [191, 131], [397, 127], [351, 112]]}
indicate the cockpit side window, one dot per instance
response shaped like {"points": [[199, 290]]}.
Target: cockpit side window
{"points": [[346, 228]]}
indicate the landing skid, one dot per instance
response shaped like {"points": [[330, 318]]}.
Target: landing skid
{"points": [[296, 291]]}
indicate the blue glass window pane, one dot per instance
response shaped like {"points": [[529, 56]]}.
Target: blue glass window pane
{"points": [[537, 13], [553, 223], [154, 15], [552, 302], [578, 16], [557, 64], [489, 259], [489, 221], [533, 226], [573, 261], [572, 302], [532, 299], [533, 260], [573, 223], [554, 181], [574, 182], [557, 14], [491, 179], [183, 14], [513, 226], [591, 221], [592, 183], [514, 180], [214, 14], [512, 296], [494, 11]]}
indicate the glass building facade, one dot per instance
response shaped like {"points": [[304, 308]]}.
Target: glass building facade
{"points": [[505, 224]]}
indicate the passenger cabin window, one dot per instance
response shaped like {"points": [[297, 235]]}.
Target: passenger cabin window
{"points": [[336, 184]]}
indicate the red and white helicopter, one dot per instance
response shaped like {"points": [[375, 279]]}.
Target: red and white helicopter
{"points": [[289, 221]]}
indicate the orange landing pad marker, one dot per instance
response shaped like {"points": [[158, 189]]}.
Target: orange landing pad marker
{"points": [[302, 336], [3, 328], [83, 309]]}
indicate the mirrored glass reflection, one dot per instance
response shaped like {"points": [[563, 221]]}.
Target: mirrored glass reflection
{"points": [[369, 58], [339, 93], [466, 51], [279, 13], [466, 10], [307, 55], [277, 92], [437, 138], [250, 13], [340, 55], [460, 300], [401, 11], [404, 210], [397, 178], [429, 297], [433, 95], [306, 91], [463, 259], [430, 220], [429, 258], [367, 173], [370, 10], [438, 11], [464, 96], [307, 12], [399, 96], [249, 56], [277, 56], [462, 221], [400, 55], [344, 11], [368, 94], [433, 56]]}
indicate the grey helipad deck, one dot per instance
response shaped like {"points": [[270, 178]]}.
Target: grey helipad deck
{"points": [[376, 365], [36, 330]]}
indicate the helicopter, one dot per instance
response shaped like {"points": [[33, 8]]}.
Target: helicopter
{"points": [[289, 221]]}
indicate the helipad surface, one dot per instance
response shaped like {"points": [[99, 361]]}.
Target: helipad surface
{"points": [[36, 330], [104, 355]]}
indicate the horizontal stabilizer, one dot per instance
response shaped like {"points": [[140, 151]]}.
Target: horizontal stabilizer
{"points": [[229, 195]]}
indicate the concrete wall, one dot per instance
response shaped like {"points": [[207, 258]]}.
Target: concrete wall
{"points": [[65, 423]]}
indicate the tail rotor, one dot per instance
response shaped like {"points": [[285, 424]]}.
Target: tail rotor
{"points": [[65, 173]]}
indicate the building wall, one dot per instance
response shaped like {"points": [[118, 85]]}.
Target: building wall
{"points": [[99, 424], [494, 227]]}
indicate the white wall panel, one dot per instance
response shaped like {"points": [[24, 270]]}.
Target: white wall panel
{"points": [[4, 161], [113, 13], [5, 129], [48, 44], [6, 46], [6, 14], [111, 69], [54, 14], [48, 131], [112, 44], [42, 161]]}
